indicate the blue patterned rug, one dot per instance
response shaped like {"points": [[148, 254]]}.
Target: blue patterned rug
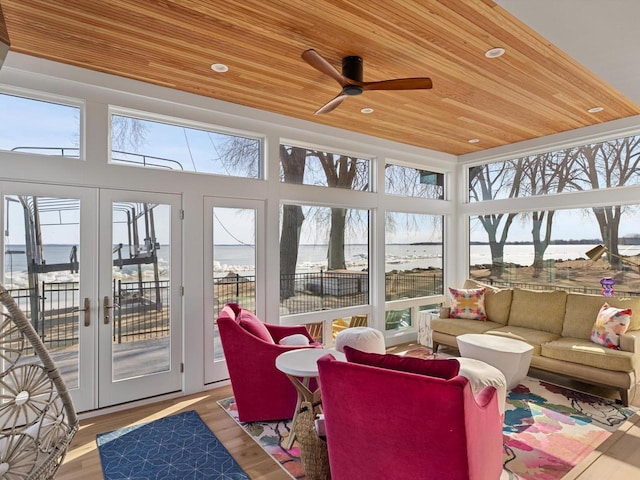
{"points": [[177, 447]]}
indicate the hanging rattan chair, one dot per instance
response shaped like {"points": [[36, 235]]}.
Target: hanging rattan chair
{"points": [[37, 417]]}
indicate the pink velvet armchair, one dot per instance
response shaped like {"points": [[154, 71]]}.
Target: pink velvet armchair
{"points": [[390, 424], [262, 392]]}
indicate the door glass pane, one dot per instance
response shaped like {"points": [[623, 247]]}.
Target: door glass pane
{"points": [[41, 272], [234, 262], [140, 309]]}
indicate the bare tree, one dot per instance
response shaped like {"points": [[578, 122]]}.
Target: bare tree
{"points": [[341, 171], [488, 182], [239, 155], [293, 165], [332, 170], [542, 175], [127, 133], [614, 163]]}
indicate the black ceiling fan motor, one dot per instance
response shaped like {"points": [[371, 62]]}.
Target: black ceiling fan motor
{"points": [[352, 69]]}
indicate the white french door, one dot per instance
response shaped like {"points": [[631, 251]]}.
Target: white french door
{"points": [[139, 292], [234, 231], [98, 274]]}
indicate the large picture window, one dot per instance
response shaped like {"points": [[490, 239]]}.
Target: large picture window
{"points": [[413, 261], [555, 249], [324, 258]]}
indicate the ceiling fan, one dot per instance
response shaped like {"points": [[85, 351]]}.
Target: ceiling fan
{"points": [[351, 79]]}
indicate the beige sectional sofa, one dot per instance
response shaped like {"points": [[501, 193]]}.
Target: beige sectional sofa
{"points": [[558, 325]]}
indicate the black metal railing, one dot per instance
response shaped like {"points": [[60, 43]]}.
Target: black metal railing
{"points": [[141, 310], [412, 284], [549, 286], [57, 324], [313, 291]]}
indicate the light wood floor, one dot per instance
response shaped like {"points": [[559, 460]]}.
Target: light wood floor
{"points": [[618, 458], [83, 462]]}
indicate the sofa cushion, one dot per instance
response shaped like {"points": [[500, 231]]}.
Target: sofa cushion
{"points": [[533, 337], [542, 310], [610, 324], [497, 301], [441, 368], [458, 326], [582, 310], [584, 352], [467, 303]]}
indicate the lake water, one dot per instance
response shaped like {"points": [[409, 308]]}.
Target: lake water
{"points": [[314, 257]]}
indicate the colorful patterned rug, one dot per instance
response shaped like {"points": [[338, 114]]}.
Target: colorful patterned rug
{"points": [[548, 430], [177, 447]]}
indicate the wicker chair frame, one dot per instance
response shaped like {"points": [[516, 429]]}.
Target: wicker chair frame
{"points": [[37, 417]]}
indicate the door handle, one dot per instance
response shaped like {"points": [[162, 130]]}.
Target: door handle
{"points": [[106, 307], [86, 310]]}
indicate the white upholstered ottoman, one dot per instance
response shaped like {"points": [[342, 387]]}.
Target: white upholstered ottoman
{"points": [[481, 375], [365, 339], [512, 357]]}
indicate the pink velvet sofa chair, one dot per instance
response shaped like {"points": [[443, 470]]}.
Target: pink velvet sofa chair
{"points": [[389, 424], [262, 392]]}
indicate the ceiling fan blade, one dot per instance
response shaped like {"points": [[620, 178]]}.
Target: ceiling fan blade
{"points": [[314, 59], [397, 84], [331, 104]]}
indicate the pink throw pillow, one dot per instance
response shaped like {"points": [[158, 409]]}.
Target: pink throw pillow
{"points": [[254, 325], [610, 324], [441, 368], [229, 311]]}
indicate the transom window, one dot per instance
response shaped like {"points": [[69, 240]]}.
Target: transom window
{"points": [[609, 164], [413, 182], [152, 144], [39, 127], [326, 169]]}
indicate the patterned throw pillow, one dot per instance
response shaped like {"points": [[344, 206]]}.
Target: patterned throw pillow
{"points": [[610, 324], [468, 303]]}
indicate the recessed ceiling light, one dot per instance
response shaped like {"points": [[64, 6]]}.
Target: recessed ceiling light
{"points": [[494, 52], [366, 110], [219, 67], [595, 109], [474, 140]]}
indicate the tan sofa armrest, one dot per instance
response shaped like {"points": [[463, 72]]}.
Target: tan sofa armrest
{"points": [[630, 341], [444, 312]]}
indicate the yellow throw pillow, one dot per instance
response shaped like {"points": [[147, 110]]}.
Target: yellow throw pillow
{"points": [[468, 303], [610, 324]]}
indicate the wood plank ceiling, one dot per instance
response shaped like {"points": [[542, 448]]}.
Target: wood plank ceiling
{"points": [[531, 91]]}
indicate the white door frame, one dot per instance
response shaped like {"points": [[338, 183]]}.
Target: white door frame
{"points": [[85, 395], [111, 391]]}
